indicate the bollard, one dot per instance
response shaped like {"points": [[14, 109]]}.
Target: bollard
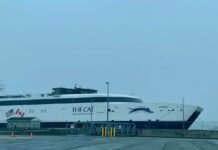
{"points": [[31, 134], [114, 132], [105, 131], [108, 133], [12, 134], [111, 132], [102, 131]]}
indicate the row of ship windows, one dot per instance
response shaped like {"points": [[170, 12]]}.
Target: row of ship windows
{"points": [[42, 111], [170, 109]]}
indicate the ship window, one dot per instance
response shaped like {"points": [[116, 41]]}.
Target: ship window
{"points": [[169, 110], [161, 110], [172, 109], [43, 110], [31, 111]]}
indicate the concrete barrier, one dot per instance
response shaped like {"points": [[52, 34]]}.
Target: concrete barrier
{"points": [[207, 134]]}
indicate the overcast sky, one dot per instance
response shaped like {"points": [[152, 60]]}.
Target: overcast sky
{"points": [[160, 51]]}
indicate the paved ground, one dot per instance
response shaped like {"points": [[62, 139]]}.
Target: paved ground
{"points": [[103, 143]]}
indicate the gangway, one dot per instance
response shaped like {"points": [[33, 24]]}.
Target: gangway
{"points": [[109, 129]]}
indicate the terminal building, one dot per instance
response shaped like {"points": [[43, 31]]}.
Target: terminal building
{"points": [[23, 123]]}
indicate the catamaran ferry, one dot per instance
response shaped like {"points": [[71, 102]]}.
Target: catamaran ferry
{"points": [[65, 106]]}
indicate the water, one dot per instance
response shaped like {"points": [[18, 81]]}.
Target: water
{"points": [[72, 142]]}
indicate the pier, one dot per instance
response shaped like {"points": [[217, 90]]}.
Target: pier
{"points": [[112, 129]]}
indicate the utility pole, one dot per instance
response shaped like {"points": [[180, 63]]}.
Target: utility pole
{"points": [[183, 114], [202, 125], [66, 127], [108, 86], [91, 109]]}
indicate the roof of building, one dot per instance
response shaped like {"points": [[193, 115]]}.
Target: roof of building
{"points": [[23, 119]]}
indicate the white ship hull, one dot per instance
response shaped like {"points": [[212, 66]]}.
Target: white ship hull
{"points": [[67, 109]]}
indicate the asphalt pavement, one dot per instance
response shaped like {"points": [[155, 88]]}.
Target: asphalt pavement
{"points": [[80, 142]]}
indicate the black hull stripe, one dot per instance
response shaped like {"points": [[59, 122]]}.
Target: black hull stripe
{"points": [[67, 100], [139, 124]]}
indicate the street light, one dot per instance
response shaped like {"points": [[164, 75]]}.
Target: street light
{"points": [[183, 114], [108, 84]]}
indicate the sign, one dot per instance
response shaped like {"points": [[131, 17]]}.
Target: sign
{"points": [[82, 109]]}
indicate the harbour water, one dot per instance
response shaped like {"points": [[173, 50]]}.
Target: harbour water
{"points": [[81, 142]]}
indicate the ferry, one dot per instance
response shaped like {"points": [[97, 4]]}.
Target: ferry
{"points": [[65, 106]]}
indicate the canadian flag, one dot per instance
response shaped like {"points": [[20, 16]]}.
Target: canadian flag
{"points": [[20, 113]]}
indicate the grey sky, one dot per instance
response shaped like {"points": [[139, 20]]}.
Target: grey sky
{"points": [[161, 51]]}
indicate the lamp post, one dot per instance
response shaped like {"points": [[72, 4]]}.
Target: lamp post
{"points": [[183, 114], [108, 85], [91, 110]]}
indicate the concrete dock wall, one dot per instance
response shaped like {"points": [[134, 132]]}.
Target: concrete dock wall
{"points": [[204, 134], [208, 134]]}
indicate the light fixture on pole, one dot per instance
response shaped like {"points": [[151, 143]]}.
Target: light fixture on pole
{"points": [[108, 85]]}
